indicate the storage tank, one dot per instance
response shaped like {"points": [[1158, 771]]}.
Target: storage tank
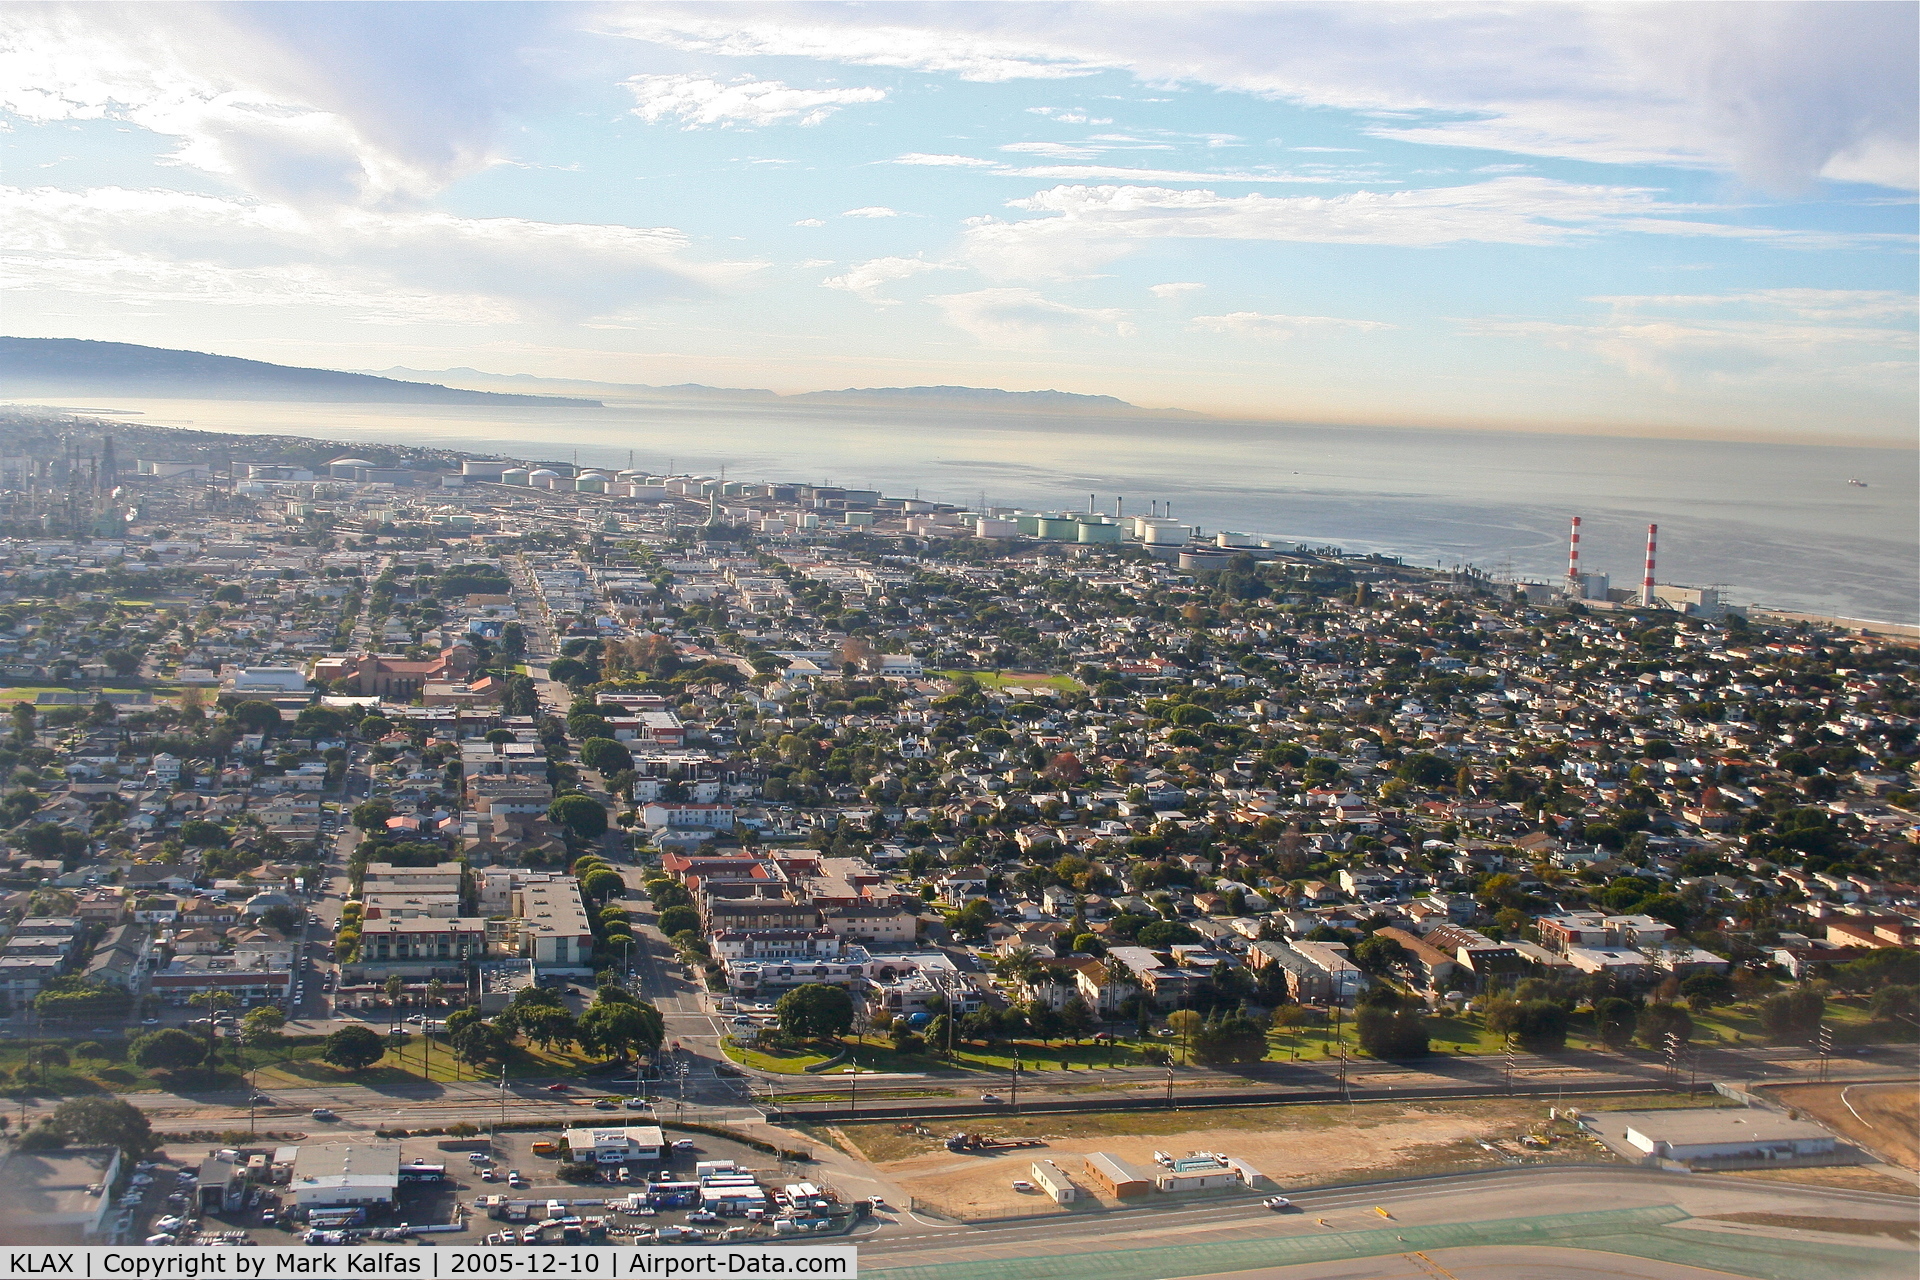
{"points": [[515, 475], [1028, 522], [487, 471], [988, 527], [1060, 528], [589, 482], [1225, 539], [1101, 533], [1165, 533], [544, 478], [1204, 561]]}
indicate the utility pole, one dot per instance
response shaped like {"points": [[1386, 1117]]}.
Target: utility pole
{"points": [[1509, 1063], [1016, 1080], [1823, 1040], [1169, 1088]]}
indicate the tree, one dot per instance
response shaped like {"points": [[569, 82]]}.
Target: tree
{"points": [[353, 1048], [372, 815], [170, 1049], [198, 832], [602, 882], [1658, 1021], [1540, 1026], [283, 920], [815, 1011], [260, 1028], [1076, 1019], [1704, 991], [513, 641], [254, 716], [1898, 1003], [674, 919], [1793, 1015], [547, 1025], [479, 1043], [1614, 1019], [1391, 1026], [618, 1028], [605, 754], [460, 1019], [585, 818], [374, 728], [1378, 955], [1235, 1038], [103, 1122]]}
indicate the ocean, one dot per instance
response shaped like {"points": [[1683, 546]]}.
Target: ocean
{"points": [[1777, 525]]}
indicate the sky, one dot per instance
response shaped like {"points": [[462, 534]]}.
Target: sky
{"points": [[1649, 218]]}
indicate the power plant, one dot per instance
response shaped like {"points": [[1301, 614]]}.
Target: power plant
{"points": [[1596, 590]]}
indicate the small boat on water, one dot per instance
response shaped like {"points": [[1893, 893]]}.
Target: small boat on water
{"points": [[1858, 484]]}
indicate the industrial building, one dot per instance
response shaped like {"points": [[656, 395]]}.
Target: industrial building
{"points": [[1711, 1135], [615, 1144]]}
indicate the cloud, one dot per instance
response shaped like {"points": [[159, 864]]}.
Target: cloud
{"points": [[1822, 343], [810, 222], [872, 211], [1068, 115], [1023, 318], [1175, 289], [1781, 94], [1086, 226], [1092, 172], [867, 279], [697, 101], [308, 104], [151, 247], [1811, 304], [941, 161], [1252, 324]]}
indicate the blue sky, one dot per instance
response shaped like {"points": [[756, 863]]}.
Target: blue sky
{"points": [[1695, 219]]}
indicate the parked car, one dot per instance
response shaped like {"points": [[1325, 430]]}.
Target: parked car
{"points": [[1021, 1184], [683, 1144]]}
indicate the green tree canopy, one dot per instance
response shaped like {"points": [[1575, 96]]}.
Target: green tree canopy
{"points": [[169, 1049], [815, 1011], [617, 1028], [354, 1048], [585, 818], [607, 755]]}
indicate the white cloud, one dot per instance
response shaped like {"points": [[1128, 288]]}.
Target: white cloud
{"points": [[1820, 345], [1253, 324], [146, 247], [982, 57], [1023, 318], [867, 279], [1175, 289], [941, 161], [307, 104], [1068, 115], [697, 101], [1779, 93], [871, 211], [1086, 226], [1810, 304], [810, 222]]}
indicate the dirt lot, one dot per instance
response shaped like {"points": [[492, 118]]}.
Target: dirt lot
{"points": [[1884, 1118], [1294, 1146]]}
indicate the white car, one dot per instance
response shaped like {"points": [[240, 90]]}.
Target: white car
{"points": [[683, 1144], [1021, 1184], [1279, 1204]]}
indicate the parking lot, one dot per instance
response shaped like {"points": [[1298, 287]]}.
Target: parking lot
{"points": [[523, 1170]]}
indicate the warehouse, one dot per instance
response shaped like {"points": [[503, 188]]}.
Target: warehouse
{"points": [[1116, 1177], [1713, 1134]]}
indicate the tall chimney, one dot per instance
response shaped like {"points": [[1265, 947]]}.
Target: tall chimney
{"points": [[1575, 589], [1646, 583], [1118, 503]]}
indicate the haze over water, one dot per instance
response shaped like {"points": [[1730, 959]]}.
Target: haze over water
{"points": [[1778, 524]]}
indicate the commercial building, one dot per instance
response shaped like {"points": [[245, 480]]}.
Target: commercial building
{"points": [[331, 1174], [550, 925], [615, 1145], [57, 1197]]}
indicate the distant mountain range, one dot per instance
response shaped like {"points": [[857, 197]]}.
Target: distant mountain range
{"points": [[77, 367], [990, 398]]}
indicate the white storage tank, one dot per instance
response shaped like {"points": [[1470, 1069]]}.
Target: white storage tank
{"points": [[544, 478], [486, 471], [1165, 533], [988, 527], [515, 475], [589, 482]]}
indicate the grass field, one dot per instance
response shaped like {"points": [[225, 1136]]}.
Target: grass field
{"points": [[1019, 680]]}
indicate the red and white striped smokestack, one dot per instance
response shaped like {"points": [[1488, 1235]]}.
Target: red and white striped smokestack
{"points": [[1573, 561], [1646, 583]]}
